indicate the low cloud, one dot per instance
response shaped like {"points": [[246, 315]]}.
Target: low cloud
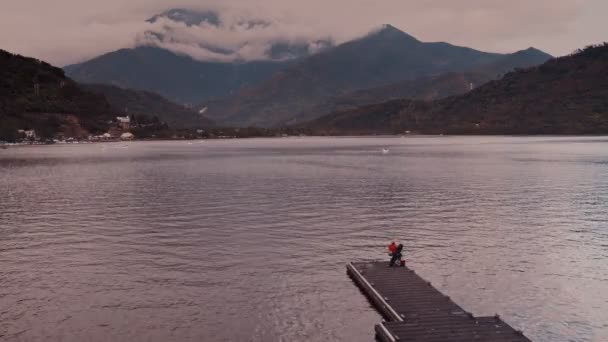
{"points": [[229, 37], [69, 31]]}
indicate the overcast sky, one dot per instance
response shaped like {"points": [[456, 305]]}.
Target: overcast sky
{"points": [[69, 31]]}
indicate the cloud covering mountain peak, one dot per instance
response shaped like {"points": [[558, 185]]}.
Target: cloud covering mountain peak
{"points": [[212, 35], [72, 31], [188, 17]]}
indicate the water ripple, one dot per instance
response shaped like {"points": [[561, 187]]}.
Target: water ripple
{"points": [[247, 240]]}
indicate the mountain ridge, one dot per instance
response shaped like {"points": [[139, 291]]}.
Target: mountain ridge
{"points": [[427, 88], [144, 103], [382, 57], [37, 95], [271, 93], [178, 77], [565, 95]]}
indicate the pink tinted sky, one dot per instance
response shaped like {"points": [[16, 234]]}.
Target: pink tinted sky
{"points": [[69, 31]]}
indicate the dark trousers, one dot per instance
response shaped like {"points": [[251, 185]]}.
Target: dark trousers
{"points": [[396, 257]]}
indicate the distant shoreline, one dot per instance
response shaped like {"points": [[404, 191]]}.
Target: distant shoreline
{"points": [[87, 142]]}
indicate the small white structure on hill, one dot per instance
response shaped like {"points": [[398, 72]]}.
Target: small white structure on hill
{"points": [[124, 122], [29, 134]]}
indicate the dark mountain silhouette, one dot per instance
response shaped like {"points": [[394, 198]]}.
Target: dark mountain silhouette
{"points": [[520, 59], [423, 88], [181, 78], [566, 95], [176, 77], [36, 95], [429, 87], [381, 58], [139, 102]]}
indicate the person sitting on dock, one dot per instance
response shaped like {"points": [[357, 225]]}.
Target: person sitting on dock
{"points": [[396, 256]]}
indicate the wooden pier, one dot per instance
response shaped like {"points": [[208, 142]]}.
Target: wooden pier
{"points": [[415, 311]]}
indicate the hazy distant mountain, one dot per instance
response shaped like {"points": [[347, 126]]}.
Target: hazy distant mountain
{"points": [[520, 59], [423, 88], [177, 77], [293, 83], [139, 102], [36, 95], [159, 65], [428, 87], [567, 95], [381, 58]]}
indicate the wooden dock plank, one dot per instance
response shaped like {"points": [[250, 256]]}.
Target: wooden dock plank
{"points": [[416, 311]]}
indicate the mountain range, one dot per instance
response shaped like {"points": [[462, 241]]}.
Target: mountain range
{"points": [[157, 63], [381, 58], [427, 87], [177, 77], [566, 95], [279, 91], [385, 82]]}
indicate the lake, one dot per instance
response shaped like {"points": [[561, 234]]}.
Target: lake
{"points": [[247, 240]]}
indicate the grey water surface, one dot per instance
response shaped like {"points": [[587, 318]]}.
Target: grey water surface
{"points": [[247, 240]]}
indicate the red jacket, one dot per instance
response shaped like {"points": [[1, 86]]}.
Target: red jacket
{"points": [[392, 248]]}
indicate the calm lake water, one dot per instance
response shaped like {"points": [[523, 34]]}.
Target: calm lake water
{"points": [[247, 240]]}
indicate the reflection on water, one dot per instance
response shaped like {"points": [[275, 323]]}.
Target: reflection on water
{"points": [[247, 240]]}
